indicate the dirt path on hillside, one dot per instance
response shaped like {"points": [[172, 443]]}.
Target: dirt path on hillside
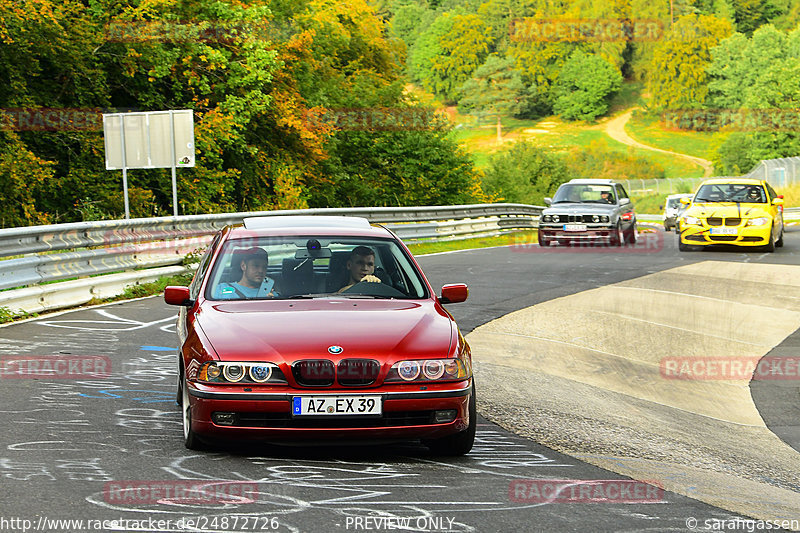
{"points": [[615, 128]]}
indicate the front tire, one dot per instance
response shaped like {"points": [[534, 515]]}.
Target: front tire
{"points": [[542, 241], [770, 246], [190, 438], [617, 238], [461, 442], [632, 234], [779, 242], [684, 247]]}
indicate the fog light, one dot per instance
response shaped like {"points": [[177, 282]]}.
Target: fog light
{"points": [[224, 419], [442, 417]]}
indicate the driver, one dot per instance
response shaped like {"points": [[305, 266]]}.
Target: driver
{"points": [[753, 195], [360, 267], [606, 197]]}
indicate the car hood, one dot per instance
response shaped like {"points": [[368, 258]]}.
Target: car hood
{"points": [[286, 330], [578, 207], [727, 210]]}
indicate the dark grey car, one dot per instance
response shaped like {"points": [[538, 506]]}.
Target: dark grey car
{"points": [[589, 211]]}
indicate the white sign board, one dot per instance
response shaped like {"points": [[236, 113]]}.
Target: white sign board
{"points": [[144, 140]]}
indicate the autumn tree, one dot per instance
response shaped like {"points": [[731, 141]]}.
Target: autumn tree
{"points": [[678, 77]]}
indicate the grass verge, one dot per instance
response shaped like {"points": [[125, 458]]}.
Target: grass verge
{"points": [[512, 237]]}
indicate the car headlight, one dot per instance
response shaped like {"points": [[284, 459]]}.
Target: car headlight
{"points": [[692, 221], [596, 218], [760, 221], [429, 370], [244, 372]]}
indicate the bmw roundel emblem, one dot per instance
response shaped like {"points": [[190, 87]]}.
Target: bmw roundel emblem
{"points": [[335, 350]]}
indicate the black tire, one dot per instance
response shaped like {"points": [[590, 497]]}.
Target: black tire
{"points": [[631, 237], [770, 246], [190, 438], [779, 242], [178, 385], [684, 247], [461, 442], [618, 237], [542, 241]]}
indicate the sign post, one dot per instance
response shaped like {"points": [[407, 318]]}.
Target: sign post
{"points": [[153, 139]]}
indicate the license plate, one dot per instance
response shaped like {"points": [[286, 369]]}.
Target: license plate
{"points": [[723, 231], [336, 405], [574, 227]]}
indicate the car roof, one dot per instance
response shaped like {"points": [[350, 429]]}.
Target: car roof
{"points": [[291, 225], [733, 181], [586, 181]]}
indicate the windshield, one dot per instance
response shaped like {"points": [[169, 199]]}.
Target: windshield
{"points": [[313, 267], [599, 194], [730, 192]]}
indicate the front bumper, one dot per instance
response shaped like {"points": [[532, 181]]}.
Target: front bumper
{"points": [[407, 413], [591, 234], [745, 235]]}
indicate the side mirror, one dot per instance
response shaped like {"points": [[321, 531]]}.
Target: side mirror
{"points": [[777, 201], [178, 296], [624, 201], [454, 293], [548, 201], [686, 201]]}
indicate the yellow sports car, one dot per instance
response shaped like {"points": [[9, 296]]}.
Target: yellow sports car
{"points": [[741, 212]]}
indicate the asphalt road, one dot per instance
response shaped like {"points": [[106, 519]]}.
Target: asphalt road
{"points": [[83, 449]]}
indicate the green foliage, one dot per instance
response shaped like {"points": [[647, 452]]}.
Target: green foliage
{"points": [[495, 88], [750, 14], [524, 174], [452, 48], [678, 78], [601, 162], [585, 86]]}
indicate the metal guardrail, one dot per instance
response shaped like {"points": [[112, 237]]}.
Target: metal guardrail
{"points": [[103, 247]]}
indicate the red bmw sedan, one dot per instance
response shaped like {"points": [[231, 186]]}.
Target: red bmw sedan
{"points": [[309, 328]]}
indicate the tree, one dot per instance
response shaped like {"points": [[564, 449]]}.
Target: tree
{"points": [[495, 89], [524, 174], [584, 87], [678, 77]]}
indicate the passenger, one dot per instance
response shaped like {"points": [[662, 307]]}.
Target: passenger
{"points": [[360, 267], [254, 282]]}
